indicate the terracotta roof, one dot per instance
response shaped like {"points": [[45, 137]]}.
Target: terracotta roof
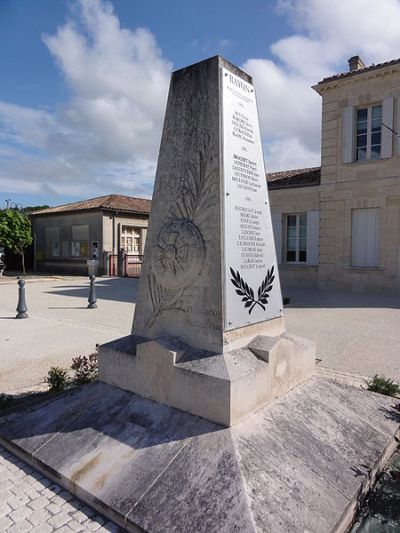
{"points": [[301, 177], [360, 71], [111, 202]]}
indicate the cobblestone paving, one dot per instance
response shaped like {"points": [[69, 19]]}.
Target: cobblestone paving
{"points": [[30, 502]]}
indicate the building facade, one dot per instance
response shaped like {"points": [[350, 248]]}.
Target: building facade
{"points": [[338, 226], [67, 236]]}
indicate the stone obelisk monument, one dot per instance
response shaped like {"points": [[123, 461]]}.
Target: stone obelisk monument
{"points": [[208, 334]]}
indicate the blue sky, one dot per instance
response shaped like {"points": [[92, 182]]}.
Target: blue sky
{"points": [[84, 82]]}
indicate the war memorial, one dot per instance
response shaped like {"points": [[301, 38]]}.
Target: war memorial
{"points": [[210, 416]]}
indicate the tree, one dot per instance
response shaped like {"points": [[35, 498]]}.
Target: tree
{"points": [[15, 232]]}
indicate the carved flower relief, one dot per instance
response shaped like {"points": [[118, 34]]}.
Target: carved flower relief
{"points": [[179, 254], [172, 254]]}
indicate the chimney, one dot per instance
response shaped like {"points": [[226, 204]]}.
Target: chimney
{"points": [[356, 63]]}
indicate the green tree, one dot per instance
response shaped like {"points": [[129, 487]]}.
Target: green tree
{"points": [[15, 232]]}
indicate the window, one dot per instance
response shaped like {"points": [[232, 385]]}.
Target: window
{"points": [[296, 238], [131, 239], [365, 238], [369, 133], [52, 236], [80, 241]]}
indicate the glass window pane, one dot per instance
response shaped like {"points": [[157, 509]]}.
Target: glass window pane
{"points": [[376, 138], [361, 154], [291, 244], [291, 220], [303, 220], [302, 256], [361, 140], [302, 244], [377, 112], [362, 114], [303, 232], [362, 128], [291, 256], [291, 232], [376, 125], [376, 152]]}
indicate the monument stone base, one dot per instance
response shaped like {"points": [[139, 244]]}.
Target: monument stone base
{"points": [[224, 388], [301, 464]]}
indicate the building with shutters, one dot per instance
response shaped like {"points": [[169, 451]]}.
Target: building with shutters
{"points": [[65, 237], [338, 226]]}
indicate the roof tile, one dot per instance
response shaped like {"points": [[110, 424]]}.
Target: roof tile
{"points": [[111, 202], [301, 177]]}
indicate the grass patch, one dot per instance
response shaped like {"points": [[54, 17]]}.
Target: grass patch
{"points": [[383, 385]]}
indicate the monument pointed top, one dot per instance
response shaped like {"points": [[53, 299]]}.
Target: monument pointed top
{"points": [[222, 62]]}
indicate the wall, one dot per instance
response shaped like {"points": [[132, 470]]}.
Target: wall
{"points": [[358, 184]]}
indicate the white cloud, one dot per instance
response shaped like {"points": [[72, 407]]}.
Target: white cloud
{"points": [[327, 34], [108, 133], [105, 138]]}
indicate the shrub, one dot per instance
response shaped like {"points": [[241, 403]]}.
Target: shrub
{"points": [[5, 401], [86, 368], [57, 379], [383, 386]]}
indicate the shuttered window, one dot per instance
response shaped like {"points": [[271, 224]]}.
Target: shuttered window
{"points": [[365, 238], [368, 132]]}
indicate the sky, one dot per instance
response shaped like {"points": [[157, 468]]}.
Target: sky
{"points": [[83, 83]]}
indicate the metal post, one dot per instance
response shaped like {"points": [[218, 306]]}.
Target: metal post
{"points": [[92, 294], [21, 307]]}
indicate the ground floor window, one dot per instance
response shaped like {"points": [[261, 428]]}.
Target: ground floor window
{"points": [[80, 241], [131, 239], [296, 238], [365, 237], [52, 242]]}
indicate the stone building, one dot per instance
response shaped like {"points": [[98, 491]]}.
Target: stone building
{"points": [[338, 226], [65, 237]]}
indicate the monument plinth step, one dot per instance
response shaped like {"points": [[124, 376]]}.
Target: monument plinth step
{"points": [[224, 388]]}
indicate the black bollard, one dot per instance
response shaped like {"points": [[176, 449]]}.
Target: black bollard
{"points": [[92, 294], [21, 307]]}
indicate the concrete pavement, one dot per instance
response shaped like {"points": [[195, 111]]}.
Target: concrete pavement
{"points": [[59, 326], [355, 332]]}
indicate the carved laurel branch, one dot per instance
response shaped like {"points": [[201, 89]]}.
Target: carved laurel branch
{"points": [[247, 293], [163, 299], [197, 196]]}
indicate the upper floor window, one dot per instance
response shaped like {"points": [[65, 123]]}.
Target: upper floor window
{"points": [[369, 133]]}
